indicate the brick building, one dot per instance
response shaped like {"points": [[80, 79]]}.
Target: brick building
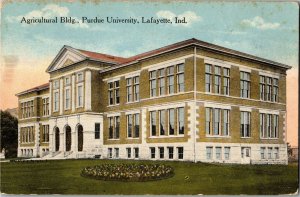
{"points": [[191, 101]]}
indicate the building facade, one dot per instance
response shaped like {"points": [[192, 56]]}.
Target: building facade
{"points": [[191, 101]]}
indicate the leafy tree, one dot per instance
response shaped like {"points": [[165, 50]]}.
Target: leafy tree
{"points": [[9, 134]]}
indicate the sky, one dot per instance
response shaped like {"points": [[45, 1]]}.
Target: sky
{"points": [[265, 29]]}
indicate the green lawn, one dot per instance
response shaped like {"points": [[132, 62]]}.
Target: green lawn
{"points": [[63, 177]]}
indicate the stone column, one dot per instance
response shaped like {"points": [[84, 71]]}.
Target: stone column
{"points": [[73, 92], [61, 100], [62, 140], [87, 95], [73, 139]]}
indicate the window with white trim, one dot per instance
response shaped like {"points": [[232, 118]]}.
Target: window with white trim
{"points": [[45, 106], [180, 78], [114, 93], [269, 126], [129, 89], [67, 98], [161, 152], [171, 119], [128, 150], [136, 88], [152, 152], [245, 84], [162, 122], [170, 75], [276, 153], [226, 80], [97, 130], [114, 127], [209, 152], [79, 77], [152, 83], [180, 152], [213, 117], [245, 124], [180, 121], [217, 79], [218, 153], [109, 153], [262, 87], [79, 96], [153, 123], [136, 153], [270, 152], [263, 152], [117, 92], [226, 153], [171, 152], [208, 77], [117, 153], [275, 90], [56, 101], [161, 82]]}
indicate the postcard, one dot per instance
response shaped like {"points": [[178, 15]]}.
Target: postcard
{"points": [[149, 97]]}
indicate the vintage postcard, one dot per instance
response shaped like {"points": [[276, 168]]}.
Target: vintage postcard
{"points": [[149, 97]]}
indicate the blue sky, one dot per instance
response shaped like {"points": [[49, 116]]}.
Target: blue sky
{"points": [[268, 30]]}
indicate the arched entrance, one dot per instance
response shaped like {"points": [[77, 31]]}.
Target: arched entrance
{"points": [[68, 138], [80, 137], [56, 139]]}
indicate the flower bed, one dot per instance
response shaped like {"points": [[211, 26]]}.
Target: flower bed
{"points": [[128, 172]]}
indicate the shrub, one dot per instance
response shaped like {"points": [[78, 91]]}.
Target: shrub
{"points": [[128, 172]]}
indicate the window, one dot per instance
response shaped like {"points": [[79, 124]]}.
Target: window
{"points": [[79, 77], [208, 77], [269, 127], [171, 115], [213, 117], [269, 89], [79, 96], [128, 150], [136, 153], [217, 124], [171, 152], [226, 122], [162, 129], [180, 78], [180, 121], [161, 81], [180, 152], [117, 127], [218, 153], [217, 79], [45, 106], [152, 152], [67, 81], [153, 123], [161, 152], [262, 126], [129, 125], [153, 83], [116, 152], [117, 92], [45, 133], [269, 152], [136, 88], [276, 153], [209, 152], [109, 154], [111, 93], [245, 124], [245, 84], [227, 153], [136, 125], [262, 152], [97, 130], [67, 99], [111, 127], [275, 129], [262, 87], [226, 75], [170, 73], [114, 93], [56, 84], [275, 90], [129, 89], [56, 101]]}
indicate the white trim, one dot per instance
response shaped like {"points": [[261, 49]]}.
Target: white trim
{"points": [[244, 69], [166, 95], [113, 114], [56, 110], [262, 73], [168, 63], [77, 100], [65, 103], [245, 109], [28, 99], [127, 75], [217, 105], [216, 62], [166, 106], [113, 79], [133, 112], [74, 72], [267, 111], [61, 93]]}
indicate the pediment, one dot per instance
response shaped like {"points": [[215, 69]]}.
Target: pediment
{"points": [[66, 57]]}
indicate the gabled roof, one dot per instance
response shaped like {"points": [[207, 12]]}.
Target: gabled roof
{"points": [[103, 57], [35, 89], [196, 42]]}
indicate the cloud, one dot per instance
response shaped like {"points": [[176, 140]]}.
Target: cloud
{"points": [[49, 11], [259, 23], [189, 16]]}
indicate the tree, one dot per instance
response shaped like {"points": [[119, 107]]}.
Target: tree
{"points": [[9, 134]]}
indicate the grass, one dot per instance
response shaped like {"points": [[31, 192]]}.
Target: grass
{"points": [[63, 177]]}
